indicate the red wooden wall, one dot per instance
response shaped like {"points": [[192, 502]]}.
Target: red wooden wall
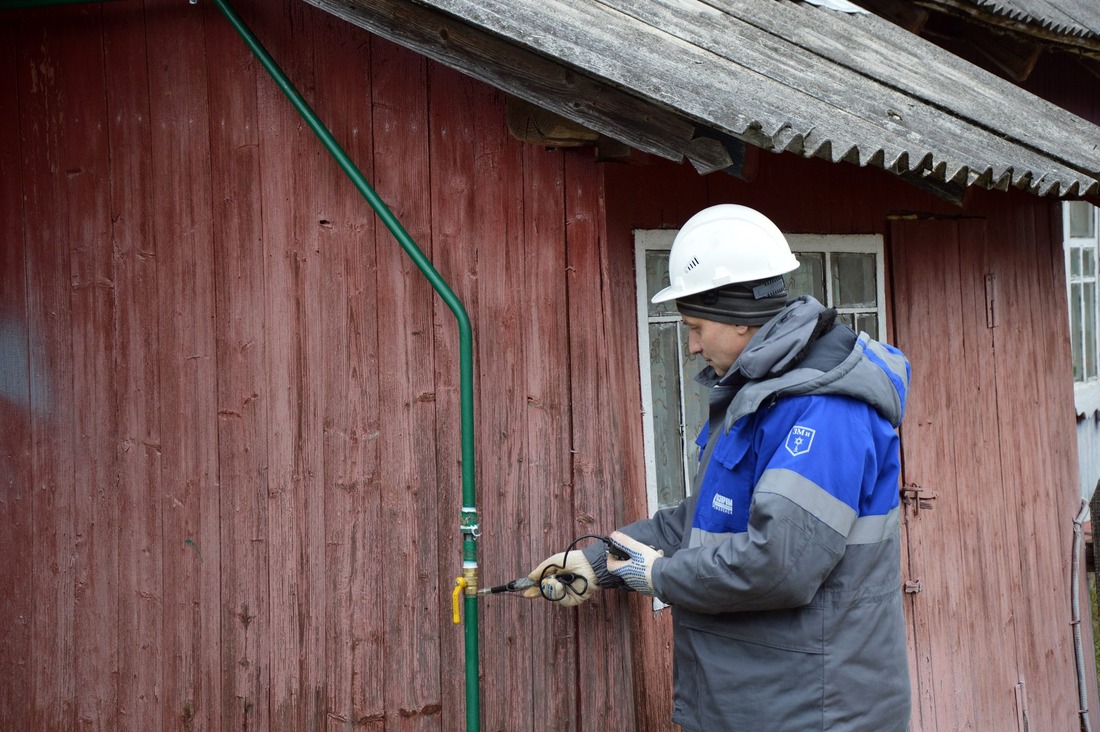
{"points": [[230, 458]]}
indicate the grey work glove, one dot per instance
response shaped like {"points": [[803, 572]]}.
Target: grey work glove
{"points": [[571, 594], [636, 572]]}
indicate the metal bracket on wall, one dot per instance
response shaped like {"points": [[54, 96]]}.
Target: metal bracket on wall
{"points": [[990, 301]]}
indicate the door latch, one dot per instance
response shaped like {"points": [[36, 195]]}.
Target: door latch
{"points": [[917, 498]]}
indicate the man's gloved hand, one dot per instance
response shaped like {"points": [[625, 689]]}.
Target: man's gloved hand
{"points": [[637, 571], [569, 594]]}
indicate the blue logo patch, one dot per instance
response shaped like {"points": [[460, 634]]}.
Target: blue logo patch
{"points": [[800, 440]]}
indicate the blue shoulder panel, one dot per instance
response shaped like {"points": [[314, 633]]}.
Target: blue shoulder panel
{"points": [[839, 444]]}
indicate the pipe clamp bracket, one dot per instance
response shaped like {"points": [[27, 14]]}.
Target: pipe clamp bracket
{"points": [[469, 522]]}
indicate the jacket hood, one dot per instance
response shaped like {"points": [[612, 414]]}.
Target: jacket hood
{"points": [[802, 351]]}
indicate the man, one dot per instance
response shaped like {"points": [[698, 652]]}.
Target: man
{"points": [[782, 567]]}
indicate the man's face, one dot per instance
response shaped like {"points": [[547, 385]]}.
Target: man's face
{"points": [[719, 344]]}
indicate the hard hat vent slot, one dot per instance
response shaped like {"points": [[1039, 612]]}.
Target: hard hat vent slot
{"points": [[692, 264]]}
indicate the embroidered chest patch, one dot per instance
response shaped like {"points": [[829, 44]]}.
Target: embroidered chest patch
{"points": [[800, 440]]}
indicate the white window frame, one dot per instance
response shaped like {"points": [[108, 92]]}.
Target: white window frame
{"points": [[1086, 393], [647, 240]]}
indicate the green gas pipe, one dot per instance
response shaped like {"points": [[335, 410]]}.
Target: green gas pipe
{"points": [[469, 526]]}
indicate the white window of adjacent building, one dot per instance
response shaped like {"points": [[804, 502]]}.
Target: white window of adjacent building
{"points": [[1079, 222], [845, 272]]}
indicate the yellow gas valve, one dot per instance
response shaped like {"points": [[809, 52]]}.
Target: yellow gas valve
{"points": [[460, 585]]}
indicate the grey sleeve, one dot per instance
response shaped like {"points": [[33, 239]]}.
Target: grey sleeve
{"points": [[779, 562]]}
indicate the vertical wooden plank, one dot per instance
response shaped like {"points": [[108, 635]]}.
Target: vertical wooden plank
{"points": [[51, 372], [140, 589], [605, 695], [182, 234], [983, 502], [941, 644], [650, 633], [548, 482], [296, 178], [407, 524], [348, 368], [1038, 462], [16, 473], [82, 162], [281, 137], [46, 210], [243, 397], [318, 180]]}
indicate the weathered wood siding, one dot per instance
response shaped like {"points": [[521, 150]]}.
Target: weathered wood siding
{"points": [[230, 453], [230, 407]]}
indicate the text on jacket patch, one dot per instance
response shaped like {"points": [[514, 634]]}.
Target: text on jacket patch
{"points": [[722, 503], [799, 440]]}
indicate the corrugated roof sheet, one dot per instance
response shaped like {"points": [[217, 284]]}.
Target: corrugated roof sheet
{"points": [[663, 75], [1071, 17]]}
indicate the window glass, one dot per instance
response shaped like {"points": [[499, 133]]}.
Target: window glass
{"points": [[667, 437], [696, 406], [1088, 325], [867, 322], [854, 282], [809, 278], [656, 277], [1075, 332], [1082, 220]]}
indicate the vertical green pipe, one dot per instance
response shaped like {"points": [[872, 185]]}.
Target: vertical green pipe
{"points": [[469, 525]]}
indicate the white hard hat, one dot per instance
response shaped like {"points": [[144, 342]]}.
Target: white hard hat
{"points": [[722, 245]]}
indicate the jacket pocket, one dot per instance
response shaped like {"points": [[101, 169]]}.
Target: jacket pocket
{"points": [[725, 492], [732, 447]]}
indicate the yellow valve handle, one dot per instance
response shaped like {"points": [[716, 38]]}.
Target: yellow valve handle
{"points": [[460, 585]]}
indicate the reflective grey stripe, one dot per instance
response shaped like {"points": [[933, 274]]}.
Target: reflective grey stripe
{"points": [[895, 361], [873, 529], [812, 498], [806, 494], [699, 537]]}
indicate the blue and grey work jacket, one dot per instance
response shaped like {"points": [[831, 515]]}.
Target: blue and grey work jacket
{"points": [[783, 566]]}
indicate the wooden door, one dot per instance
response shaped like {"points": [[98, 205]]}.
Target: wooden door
{"points": [[961, 626]]}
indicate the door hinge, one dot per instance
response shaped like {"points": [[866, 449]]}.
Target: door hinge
{"points": [[990, 300], [917, 498], [912, 587]]}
